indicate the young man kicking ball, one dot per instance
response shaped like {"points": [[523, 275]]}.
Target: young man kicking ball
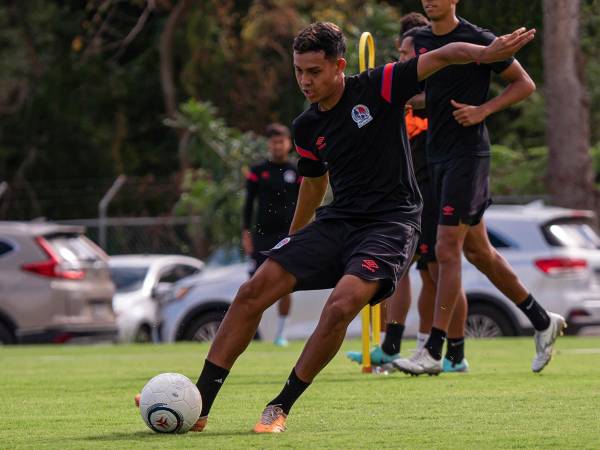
{"points": [[360, 243], [458, 153]]}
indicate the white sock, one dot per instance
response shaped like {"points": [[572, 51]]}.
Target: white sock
{"points": [[422, 340], [281, 326]]}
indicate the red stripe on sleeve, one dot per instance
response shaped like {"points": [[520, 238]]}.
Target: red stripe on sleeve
{"points": [[251, 176], [386, 82], [306, 154]]}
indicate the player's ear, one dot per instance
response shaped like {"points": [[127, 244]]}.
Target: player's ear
{"points": [[341, 64]]}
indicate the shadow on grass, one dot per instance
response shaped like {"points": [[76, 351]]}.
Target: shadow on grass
{"points": [[149, 436]]}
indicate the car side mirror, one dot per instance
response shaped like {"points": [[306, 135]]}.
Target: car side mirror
{"points": [[161, 290]]}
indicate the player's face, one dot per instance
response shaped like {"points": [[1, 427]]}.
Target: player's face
{"points": [[279, 147], [439, 9], [318, 77], [406, 49]]}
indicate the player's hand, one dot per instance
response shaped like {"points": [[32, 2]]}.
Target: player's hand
{"points": [[468, 115], [247, 243], [503, 47]]}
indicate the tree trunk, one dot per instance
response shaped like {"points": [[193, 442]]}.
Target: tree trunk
{"points": [[570, 177]]}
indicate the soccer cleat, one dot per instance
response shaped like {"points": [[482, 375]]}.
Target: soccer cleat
{"points": [[449, 366], [378, 357], [544, 341], [421, 362], [280, 341], [272, 420], [198, 426]]}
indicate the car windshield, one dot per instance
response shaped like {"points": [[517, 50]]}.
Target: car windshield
{"points": [[578, 235], [225, 256], [128, 279]]}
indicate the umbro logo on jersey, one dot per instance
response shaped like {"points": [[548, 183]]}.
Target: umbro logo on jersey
{"points": [[321, 144], [448, 210], [361, 115]]}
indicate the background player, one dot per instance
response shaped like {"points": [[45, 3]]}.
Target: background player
{"points": [[458, 152], [274, 185]]}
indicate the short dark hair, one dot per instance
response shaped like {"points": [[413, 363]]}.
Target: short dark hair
{"points": [[321, 36], [277, 129], [410, 21]]}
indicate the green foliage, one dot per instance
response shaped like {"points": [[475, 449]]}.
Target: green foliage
{"points": [[518, 172], [213, 191]]}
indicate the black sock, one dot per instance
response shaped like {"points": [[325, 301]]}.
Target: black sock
{"points": [[435, 343], [210, 381], [293, 389], [535, 313], [393, 338], [455, 350]]}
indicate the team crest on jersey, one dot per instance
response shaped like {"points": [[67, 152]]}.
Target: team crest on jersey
{"points": [[361, 115], [282, 243], [289, 176]]}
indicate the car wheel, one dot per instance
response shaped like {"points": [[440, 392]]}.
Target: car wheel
{"points": [[204, 327], [486, 321], [6, 336], [143, 335]]}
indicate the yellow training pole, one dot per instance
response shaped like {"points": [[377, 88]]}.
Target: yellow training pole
{"points": [[370, 317]]}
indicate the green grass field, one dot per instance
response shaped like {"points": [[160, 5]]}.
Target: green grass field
{"points": [[82, 397]]}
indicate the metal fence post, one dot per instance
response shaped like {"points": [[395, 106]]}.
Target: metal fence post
{"points": [[103, 207]]}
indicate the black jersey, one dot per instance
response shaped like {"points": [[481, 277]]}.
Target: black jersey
{"points": [[276, 188], [468, 83], [362, 142]]}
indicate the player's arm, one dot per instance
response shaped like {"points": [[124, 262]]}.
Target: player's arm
{"points": [[310, 197], [251, 190], [417, 102], [500, 49], [520, 86]]}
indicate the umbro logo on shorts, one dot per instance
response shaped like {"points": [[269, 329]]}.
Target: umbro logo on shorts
{"points": [[370, 265], [282, 243], [448, 210], [321, 144], [424, 248]]}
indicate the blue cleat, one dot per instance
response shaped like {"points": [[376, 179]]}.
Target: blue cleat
{"points": [[378, 357], [280, 341], [449, 366]]}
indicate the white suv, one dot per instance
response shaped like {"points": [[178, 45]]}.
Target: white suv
{"points": [[554, 251]]}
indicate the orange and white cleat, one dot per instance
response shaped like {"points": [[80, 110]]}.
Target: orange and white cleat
{"points": [[272, 420]]}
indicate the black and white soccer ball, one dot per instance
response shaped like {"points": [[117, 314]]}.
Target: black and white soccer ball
{"points": [[170, 403]]}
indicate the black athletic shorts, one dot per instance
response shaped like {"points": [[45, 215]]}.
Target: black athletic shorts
{"points": [[262, 242], [429, 222], [461, 189], [325, 250]]}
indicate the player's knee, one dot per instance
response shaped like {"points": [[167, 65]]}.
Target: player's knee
{"points": [[447, 251], [339, 312], [248, 293]]}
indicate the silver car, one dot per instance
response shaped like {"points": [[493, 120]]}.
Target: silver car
{"points": [[554, 251], [140, 281], [54, 285]]}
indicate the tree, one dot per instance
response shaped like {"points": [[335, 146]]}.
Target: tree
{"points": [[570, 178]]}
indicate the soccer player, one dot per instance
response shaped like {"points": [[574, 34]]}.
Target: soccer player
{"points": [[398, 304], [458, 153], [274, 185], [361, 242]]}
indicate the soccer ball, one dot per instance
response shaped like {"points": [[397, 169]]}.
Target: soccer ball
{"points": [[170, 403]]}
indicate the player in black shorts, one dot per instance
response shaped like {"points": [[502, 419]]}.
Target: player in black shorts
{"points": [[274, 185], [361, 242], [458, 152], [398, 305]]}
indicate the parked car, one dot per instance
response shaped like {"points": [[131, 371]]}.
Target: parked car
{"points": [[554, 251], [54, 285], [140, 280]]}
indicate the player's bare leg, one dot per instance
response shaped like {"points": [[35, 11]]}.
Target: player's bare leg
{"points": [[548, 326], [454, 360], [350, 295], [426, 302]]}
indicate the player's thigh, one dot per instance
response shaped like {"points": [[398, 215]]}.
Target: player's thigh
{"points": [[349, 296], [270, 282]]}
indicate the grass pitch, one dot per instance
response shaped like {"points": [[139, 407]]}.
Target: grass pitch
{"points": [[82, 397]]}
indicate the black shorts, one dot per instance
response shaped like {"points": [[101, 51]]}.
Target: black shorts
{"points": [[461, 189], [325, 250], [261, 243], [429, 222]]}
